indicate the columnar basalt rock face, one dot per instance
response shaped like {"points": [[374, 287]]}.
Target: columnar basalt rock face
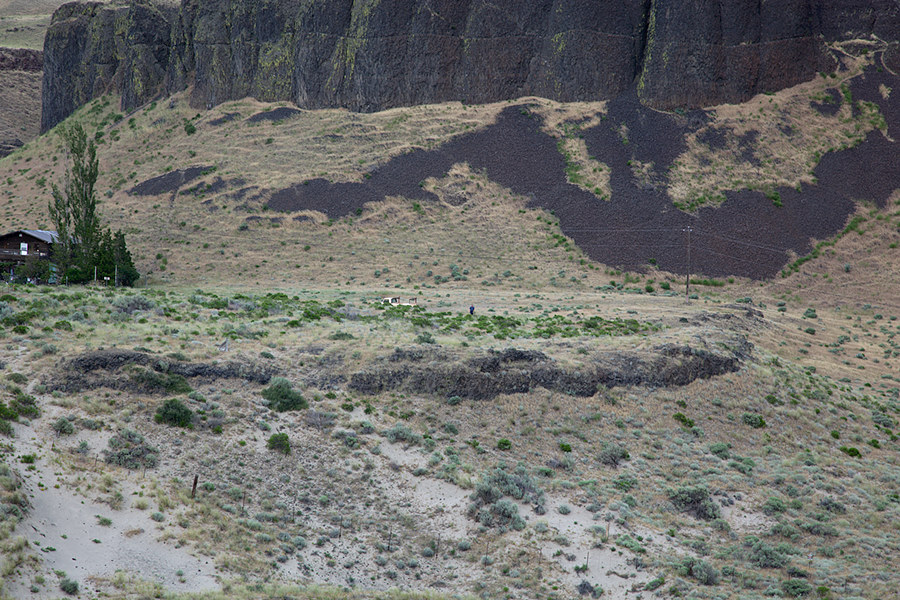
{"points": [[373, 54], [702, 52], [92, 49]]}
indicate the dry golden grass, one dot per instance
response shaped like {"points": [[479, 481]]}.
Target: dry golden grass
{"points": [[23, 23], [191, 239], [24, 30], [20, 99]]}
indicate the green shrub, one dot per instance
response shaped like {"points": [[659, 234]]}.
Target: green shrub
{"points": [[25, 405], [504, 444], [625, 482], [282, 397], [17, 378], [402, 433], [280, 443], [773, 506], [796, 588], [63, 426], [174, 412], [832, 505], [565, 447], [700, 570], [684, 420], [753, 420], [721, 449], [655, 583], [68, 586], [169, 383], [127, 449], [613, 454], [341, 335], [696, 501], [765, 556], [851, 451]]}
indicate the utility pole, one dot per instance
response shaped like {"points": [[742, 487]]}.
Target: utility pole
{"points": [[117, 275], [687, 280]]}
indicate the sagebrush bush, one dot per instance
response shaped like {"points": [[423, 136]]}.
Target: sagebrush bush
{"points": [[63, 426], [69, 586], [696, 501], [765, 556], [132, 304], [279, 442], [128, 449], [283, 397], [753, 420], [402, 433], [613, 454], [700, 570], [320, 419], [174, 412]]}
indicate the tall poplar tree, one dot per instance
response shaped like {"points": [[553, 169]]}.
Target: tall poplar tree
{"points": [[83, 245], [73, 210]]}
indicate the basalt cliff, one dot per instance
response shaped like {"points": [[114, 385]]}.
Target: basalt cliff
{"points": [[368, 55]]}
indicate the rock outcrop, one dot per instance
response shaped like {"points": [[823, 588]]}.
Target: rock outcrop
{"points": [[21, 59], [93, 49], [373, 54]]}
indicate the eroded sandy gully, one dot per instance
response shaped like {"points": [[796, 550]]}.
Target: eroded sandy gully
{"points": [[62, 526]]}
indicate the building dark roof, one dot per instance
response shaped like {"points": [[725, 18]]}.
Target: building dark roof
{"points": [[51, 237]]}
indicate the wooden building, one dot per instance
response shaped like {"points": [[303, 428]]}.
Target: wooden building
{"points": [[26, 244]]}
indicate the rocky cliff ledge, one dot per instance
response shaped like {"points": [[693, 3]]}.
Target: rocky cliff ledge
{"points": [[373, 54]]}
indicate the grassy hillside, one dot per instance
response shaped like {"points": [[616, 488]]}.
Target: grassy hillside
{"points": [[586, 431], [23, 23], [412, 461]]}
